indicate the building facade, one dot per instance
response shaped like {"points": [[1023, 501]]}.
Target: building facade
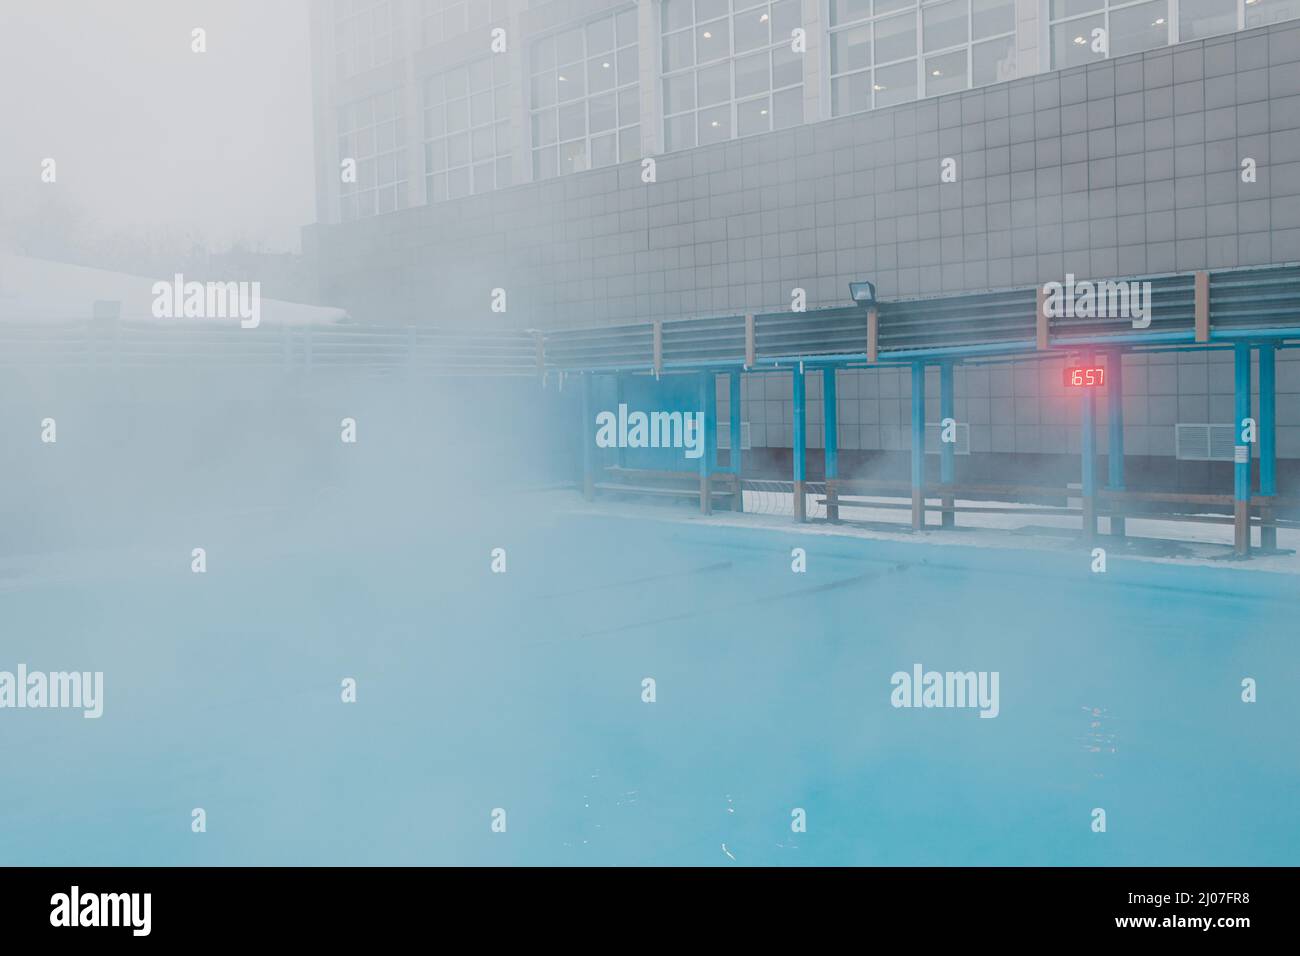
{"points": [[514, 164]]}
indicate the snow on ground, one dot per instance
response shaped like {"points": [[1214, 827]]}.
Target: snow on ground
{"points": [[1181, 542], [41, 291]]}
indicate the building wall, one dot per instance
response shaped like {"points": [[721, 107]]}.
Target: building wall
{"points": [[1122, 167]]}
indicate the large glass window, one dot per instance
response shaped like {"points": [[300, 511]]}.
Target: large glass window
{"points": [[444, 19], [584, 96], [729, 69], [371, 132], [890, 51], [363, 35], [1127, 26], [467, 137], [1131, 26], [1260, 13], [1198, 19]]}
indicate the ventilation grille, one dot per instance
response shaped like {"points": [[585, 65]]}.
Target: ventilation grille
{"points": [[1251, 298], [610, 346], [1173, 307], [694, 340], [1197, 442], [988, 317], [818, 332]]}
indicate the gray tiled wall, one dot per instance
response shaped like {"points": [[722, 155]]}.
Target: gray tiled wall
{"points": [[1020, 408], [1128, 166]]}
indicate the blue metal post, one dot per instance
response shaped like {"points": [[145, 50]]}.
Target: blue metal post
{"points": [[620, 398], [947, 450], [1115, 441], [1241, 451], [1267, 445], [1088, 454], [799, 445], [831, 442], [738, 502], [708, 406], [588, 440], [918, 446]]}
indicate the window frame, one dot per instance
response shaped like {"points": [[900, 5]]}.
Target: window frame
{"points": [[734, 102], [920, 55], [532, 111], [401, 182], [500, 91]]}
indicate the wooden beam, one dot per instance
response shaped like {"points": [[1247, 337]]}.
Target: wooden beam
{"points": [[873, 333], [749, 341], [1202, 306]]}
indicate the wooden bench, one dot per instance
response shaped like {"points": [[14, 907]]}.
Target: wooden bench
{"points": [[673, 484]]}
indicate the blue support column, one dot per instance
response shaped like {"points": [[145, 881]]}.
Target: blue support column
{"points": [[1115, 441], [1267, 445], [1088, 454], [708, 405], [619, 400], [947, 450], [799, 445], [588, 440], [831, 442], [918, 446], [1241, 451], [738, 502]]}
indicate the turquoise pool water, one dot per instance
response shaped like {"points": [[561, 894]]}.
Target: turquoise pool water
{"points": [[523, 691]]}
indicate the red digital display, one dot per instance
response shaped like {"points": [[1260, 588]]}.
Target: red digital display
{"points": [[1084, 376]]}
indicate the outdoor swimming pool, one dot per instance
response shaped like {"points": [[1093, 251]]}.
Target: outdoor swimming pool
{"points": [[523, 691]]}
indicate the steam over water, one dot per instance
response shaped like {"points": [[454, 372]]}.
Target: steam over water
{"points": [[523, 690]]}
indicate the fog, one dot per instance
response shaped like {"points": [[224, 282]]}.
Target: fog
{"points": [[152, 140]]}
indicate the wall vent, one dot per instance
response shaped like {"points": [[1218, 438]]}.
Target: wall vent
{"points": [[1203, 442]]}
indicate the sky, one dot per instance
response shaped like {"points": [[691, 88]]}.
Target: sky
{"points": [[150, 137]]}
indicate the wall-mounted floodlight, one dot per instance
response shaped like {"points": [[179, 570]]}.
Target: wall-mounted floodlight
{"points": [[863, 293]]}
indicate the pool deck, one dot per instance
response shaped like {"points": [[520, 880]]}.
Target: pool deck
{"points": [[1164, 542]]}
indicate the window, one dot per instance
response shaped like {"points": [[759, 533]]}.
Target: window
{"points": [[1198, 19], [891, 51], [1260, 13], [584, 97], [445, 19], [467, 136], [729, 69], [1131, 26], [363, 35], [372, 133], [1126, 26]]}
